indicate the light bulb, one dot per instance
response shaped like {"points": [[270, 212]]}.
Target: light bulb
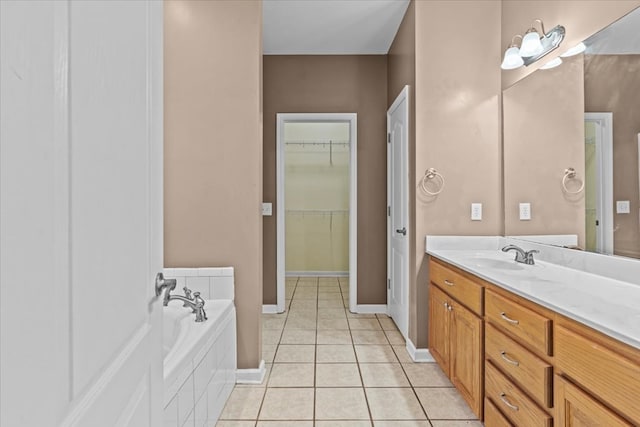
{"points": [[512, 59], [531, 45], [579, 48], [552, 64]]}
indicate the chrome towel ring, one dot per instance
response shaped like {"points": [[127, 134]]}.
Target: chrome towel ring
{"points": [[429, 174], [570, 173]]}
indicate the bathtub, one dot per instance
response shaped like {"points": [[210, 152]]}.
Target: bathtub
{"points": [[199, 358]]}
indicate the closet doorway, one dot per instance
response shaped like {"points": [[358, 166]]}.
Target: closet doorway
{"points": [[316, 199]]}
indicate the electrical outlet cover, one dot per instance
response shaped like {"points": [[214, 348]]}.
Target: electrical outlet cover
{"points": [[623, 207], [525, 211], [476, 211]]}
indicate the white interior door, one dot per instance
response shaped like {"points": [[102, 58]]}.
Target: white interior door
{"points": [[603, 180], [81, 221], [398, 218]]}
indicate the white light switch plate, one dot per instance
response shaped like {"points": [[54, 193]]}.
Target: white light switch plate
{"points": [[476, 211], [525, 211], [623, 207], [267, 209]]}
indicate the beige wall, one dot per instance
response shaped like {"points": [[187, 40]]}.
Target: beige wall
{"points": [[581, 19], [612, 85], [457, 127], [544, 135], [213, 149], [402, 71], [334, 84]]}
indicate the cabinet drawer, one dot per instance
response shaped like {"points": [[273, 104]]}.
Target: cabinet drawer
{"points": [[513, 402], [574, 407], [458, 286], [606, 374], [530, 372], [493, 417], [530, 327]]}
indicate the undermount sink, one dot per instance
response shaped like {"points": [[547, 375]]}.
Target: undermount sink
{"points": [[498, 264]]}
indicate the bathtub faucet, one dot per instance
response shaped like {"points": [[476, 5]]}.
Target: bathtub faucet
{"points": [[525, 257], [196, 304]]}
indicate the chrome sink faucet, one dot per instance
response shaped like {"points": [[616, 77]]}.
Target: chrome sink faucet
{"points": [[525, 257]]}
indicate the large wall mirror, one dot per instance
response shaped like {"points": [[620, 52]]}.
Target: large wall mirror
{"points": [[572, 143]]}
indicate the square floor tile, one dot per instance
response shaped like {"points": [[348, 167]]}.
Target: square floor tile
{"points": [[366, 324], [402, 354], [396, 423], [291, 375], [271, 336], [330, 303], [341, 404], [270, 321], [361, 315], [225, 423], [426, 375], [369, 337], [301, 322], [394, 404], [441, 423], [334, 296], [296, 423], [303, 303], [243, 404], [338, 375], [334, 336], [340, 323], [395, 337], [287, 404], [331, 313], [383, 375], [269, 352], [335, 353], [295, 353], [387, 323], [444, 404], [375, 354], [298, 336], [343, 423]]}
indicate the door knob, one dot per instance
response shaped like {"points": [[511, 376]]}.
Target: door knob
{"points": [[402, 231]]}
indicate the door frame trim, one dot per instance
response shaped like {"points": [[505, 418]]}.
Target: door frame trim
{"points": [[281, 119], [402, 96], [604, 166]]}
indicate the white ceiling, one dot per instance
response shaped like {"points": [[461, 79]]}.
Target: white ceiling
{"points": [[330, 27], [621, 37]]}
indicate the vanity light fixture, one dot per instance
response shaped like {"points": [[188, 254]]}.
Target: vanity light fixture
{"points": [[512, 58], [552, 64], [579, 48], [533, 46]]}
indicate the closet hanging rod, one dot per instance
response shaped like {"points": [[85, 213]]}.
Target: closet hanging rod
{"points": [[317, 142]]}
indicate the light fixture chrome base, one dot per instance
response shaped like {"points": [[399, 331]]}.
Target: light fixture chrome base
{"points": [[550, 41]]}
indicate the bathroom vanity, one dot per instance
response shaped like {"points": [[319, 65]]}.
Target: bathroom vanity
{"points": [[534, 345]]}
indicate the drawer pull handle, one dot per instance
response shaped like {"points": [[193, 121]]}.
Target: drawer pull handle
{"points": [[448, 282], [504, 316], [503, 354], [506, 402]]}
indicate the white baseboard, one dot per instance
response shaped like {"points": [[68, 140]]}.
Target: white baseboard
{"points": [[270, 309], [251, 376], [316, 274], [371, 308], [419, 355]]}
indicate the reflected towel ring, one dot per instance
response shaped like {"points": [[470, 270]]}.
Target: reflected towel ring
{"points": [[570, 173], [431, 173]]}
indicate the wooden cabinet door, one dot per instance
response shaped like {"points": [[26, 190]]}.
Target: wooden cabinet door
{"points": [[439, 327], [575, 408], [466, 337]]}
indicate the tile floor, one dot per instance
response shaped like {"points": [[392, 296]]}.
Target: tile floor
{"points": [[327, 367]]}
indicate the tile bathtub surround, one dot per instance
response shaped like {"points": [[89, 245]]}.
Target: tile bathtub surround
{"points": [[211, 282], [327, 367]]}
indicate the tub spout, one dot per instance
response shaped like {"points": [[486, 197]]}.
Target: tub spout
{"points": [[196, 304]]}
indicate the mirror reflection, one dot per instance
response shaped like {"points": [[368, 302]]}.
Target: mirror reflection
{"points": [[571, 146]]}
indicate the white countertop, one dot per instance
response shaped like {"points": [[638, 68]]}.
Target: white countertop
{"points": [[605, 304]]}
